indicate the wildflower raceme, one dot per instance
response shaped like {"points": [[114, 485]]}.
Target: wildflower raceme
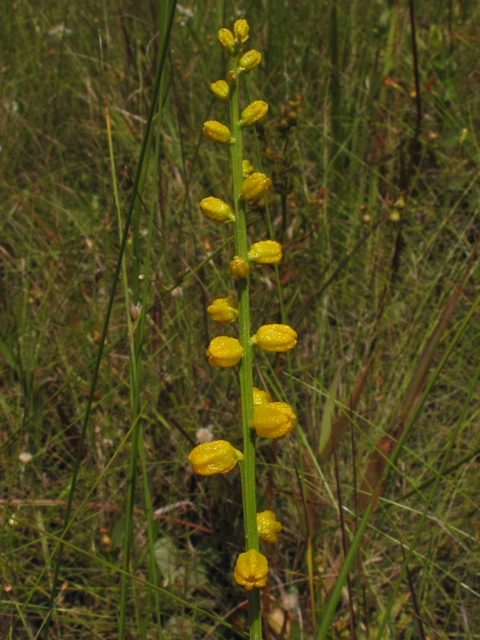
{"points": [[260, 416]]}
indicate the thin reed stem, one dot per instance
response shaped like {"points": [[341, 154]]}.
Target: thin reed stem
{"points": [[136, 343]]}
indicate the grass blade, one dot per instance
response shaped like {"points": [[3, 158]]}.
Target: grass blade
{"points": [[340, 427]]}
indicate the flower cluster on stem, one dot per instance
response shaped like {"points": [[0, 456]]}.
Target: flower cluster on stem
{"points": [[260, 416]]}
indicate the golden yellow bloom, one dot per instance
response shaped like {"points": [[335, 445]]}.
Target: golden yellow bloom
{"points": [[223, 310], [261, 397], [268, 526], [214, 457], [227, 40], [221, 90], [275, 337], [247, 168], [273, 420], [266, 252], [239, 267], [216, 209], [216, 132], [249, 60], [254, 113], [241, 29], [251, 570], [255, 186], [224, 352]]}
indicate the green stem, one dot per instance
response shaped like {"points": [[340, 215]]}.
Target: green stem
{"points": [[246, 380], [133, 375]]}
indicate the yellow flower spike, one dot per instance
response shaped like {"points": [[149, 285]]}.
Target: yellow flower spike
{"points": [[261, 397], [268, 526], [254, 113], [216, 132], [255, 186], [216, 209], [247, 168], [241, 29], [251, 570], [224, 352], [227, 40], [273, 420], [266, 252], [239, 267], [249, 60], [214, 457], [275, 338], [223, 310], [221, 90]]}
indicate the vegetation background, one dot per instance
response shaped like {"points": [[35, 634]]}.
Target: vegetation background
{"points": [[375, 161]]}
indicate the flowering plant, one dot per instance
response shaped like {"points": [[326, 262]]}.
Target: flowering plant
{"points": [[260, 416]]}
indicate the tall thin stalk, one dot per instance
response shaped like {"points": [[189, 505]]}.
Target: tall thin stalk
{"points": [[335, 95], [136, 343], [246, 378]]}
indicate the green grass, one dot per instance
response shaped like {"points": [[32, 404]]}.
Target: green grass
{"points": [[353, 289]]}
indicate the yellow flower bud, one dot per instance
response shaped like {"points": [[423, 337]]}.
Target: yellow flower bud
{"points": [[221, 90], [241, 29], [216, 209], [273, 420], [261, 397], [275, 337], [105, 541], [254, 113], [266, 252], [247, 168], [223, 310], [216, 132], [214, 457], [268, 526], [249, 60], [227, 40], [224, 352], [251, 570], [232, 77], [255, 186], [239, 267]]}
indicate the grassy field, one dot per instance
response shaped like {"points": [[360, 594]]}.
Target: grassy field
{"points": [[371, 143]]}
